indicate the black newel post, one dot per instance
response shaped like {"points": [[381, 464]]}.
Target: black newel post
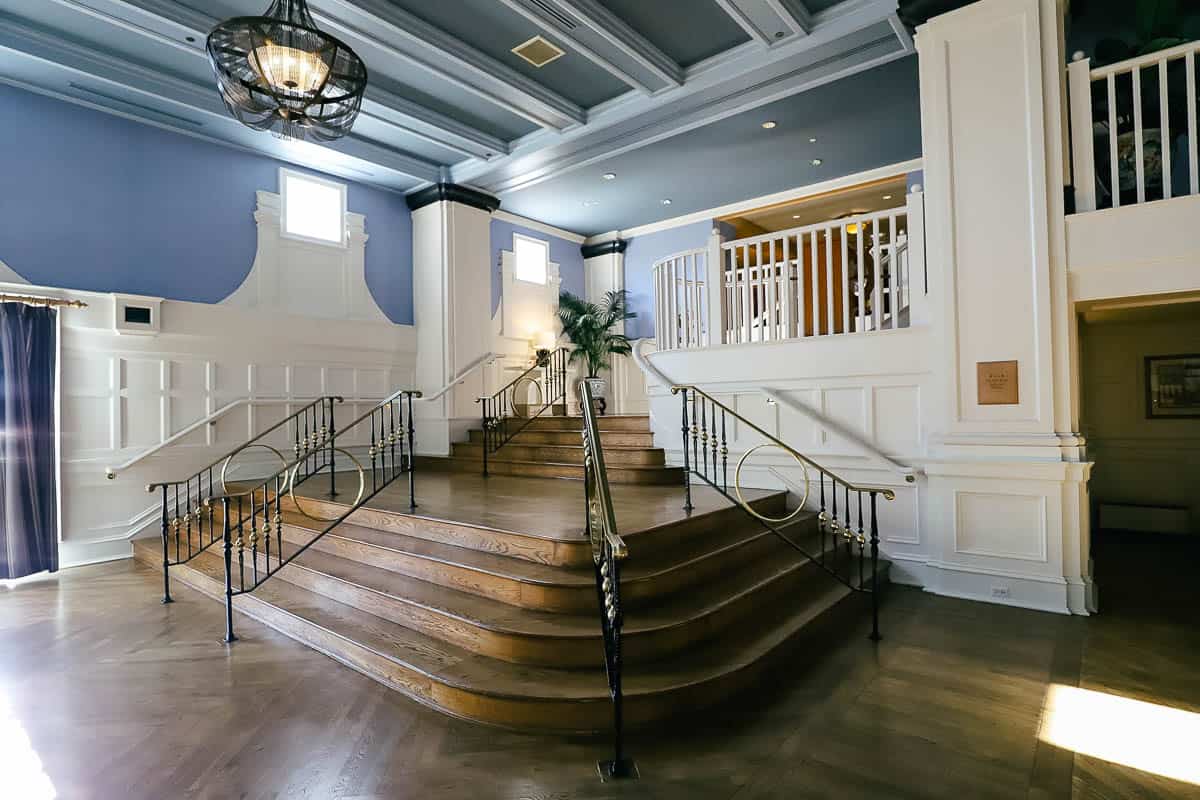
{"points": [[166, 598], [228, 541], [332, 430], [412, 458], [687, 470]]}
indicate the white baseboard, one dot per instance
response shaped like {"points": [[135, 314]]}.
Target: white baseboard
{"points": [[1024, 591], [78, 554]]}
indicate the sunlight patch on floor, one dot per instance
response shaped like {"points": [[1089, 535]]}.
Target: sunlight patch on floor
{"points": [[20, 767], [1146, 736]]}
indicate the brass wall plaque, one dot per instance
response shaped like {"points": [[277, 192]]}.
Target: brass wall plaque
{"points": [[997, 383]]}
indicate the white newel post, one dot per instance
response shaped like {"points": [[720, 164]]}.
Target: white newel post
{"points": [[918, 277], [714, 290], [1007, 486], [1083, 164], [452, 312]]}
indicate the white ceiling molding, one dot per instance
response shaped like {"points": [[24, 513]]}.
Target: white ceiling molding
{"points": [[845, 40], [753, 203], [97, 67], [149, 18], [794, 12], [605, 39], [769, 22], [541, 227], [437, 52], [734, 9]]}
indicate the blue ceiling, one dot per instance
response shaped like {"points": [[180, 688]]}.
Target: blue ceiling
{"points": [[660, 91]]}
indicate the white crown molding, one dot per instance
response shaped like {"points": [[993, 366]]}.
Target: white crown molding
{"points": [[534, 225], [742, 206]]}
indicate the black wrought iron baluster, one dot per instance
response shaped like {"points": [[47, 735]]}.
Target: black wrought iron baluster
{"points": [[412, 463], [187, 514], [175, 522], [241, 546], [166, 563], [874, 572], [391, 410], [211, 511], [487, 435], [228, 546], [695, 431], [305, 444], [724, 455], [332, 455], [687, 471], [372, 452], [266, 524], [833, 517], [847, 509], [822, 517], [254, 537], [703, 455], [849, 534], [279, 517]]}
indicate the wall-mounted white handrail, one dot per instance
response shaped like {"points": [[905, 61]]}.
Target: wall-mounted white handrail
{"points": [[482, 361], [773, 396], [113, 471]]}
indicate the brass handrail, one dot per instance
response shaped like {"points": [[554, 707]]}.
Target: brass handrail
{"points": [[887, 493], [540, 362], [594, 462]]}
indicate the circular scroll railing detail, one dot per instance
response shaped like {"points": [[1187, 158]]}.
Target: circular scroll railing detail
{"points": [[283, 465], [362, 486], [737, 484], [527, 379]]}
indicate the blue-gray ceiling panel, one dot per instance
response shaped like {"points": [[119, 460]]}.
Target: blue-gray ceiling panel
{"points": [[686, 30], [492, 28], [867, 120]]}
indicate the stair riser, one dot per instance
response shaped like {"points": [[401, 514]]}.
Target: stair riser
{"points": [[648, 457], [535, 714], [652, 477], [628, 424], [660, 542], [574, 438]]}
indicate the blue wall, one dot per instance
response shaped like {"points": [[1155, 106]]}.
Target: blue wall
{"points": [[96, 202], [640, 256], [565, 253]]}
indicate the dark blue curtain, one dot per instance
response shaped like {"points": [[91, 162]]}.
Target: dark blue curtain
{"points": [[29, 516]]}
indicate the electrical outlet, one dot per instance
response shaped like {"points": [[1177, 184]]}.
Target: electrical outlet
{"points": [[1000, 591]]}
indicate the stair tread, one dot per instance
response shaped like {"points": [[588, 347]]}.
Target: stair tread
{"points": [[541, 446], [535, 573], [482, 675], [491, 615], [496, 458]]}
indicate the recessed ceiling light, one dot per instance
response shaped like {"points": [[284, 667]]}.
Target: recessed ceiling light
{"points": [[666, 201], [812, 140], [816, 162], [609, 176], [769, 124], [590, 203], [887, 197]]}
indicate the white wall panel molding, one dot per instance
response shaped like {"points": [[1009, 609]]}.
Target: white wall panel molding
{"points": [[309, 279], [123, 393], [1000, 525]]}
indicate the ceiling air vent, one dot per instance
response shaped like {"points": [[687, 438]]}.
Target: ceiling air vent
{"points": [[538, 51], [549, 10]]}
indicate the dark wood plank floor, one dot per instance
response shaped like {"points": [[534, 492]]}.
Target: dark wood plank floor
{"points": [[123, 698]]}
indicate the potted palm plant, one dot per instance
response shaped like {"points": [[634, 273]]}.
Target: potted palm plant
{"points": [[589, 327]]}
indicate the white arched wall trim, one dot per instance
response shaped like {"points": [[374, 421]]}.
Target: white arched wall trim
{"points": [[305, 278], [7, 275]]}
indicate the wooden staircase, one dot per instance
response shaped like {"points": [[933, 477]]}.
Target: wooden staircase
{"points": [[552, 447], [499, 624]]}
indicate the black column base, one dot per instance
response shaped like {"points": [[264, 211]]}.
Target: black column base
{"points": [[625, 769]]}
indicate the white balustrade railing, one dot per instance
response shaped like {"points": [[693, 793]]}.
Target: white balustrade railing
{"points": [[844, 276], [1133, 129], [681, 300]]}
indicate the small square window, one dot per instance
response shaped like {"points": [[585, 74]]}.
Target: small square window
{"points": [[532, 258], [313, 209]]}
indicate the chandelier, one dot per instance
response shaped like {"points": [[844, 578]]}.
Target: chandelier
{"points": [[278, 72]]}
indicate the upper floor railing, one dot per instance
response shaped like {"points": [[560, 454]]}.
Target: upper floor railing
{"points": [[1133, 129], [851, 275]]}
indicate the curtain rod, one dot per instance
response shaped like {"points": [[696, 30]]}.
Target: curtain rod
{"points": [[41, 301]]}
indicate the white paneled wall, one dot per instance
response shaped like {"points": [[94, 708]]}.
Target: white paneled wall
{"points": [[123, 393]]}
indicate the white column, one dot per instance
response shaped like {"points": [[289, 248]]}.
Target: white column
{"points": [[452, 314], [602, 273], [1007, 496]]}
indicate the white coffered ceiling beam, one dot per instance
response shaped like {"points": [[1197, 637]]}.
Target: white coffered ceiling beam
{"points": [[769, 21], [152, 18], [845, 39], [605, 39], [435, 51], [178, 93]]}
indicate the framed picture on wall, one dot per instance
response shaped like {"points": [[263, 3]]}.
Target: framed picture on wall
{"points": [[1173, 386]]}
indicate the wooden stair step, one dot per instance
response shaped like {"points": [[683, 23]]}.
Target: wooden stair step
{"points": [[574, 437], [564, 454], [499, 465], [609, 422], [466, 684]]}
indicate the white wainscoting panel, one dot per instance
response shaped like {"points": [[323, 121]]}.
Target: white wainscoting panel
{"points": [[1000, 525], [122, 394]]}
